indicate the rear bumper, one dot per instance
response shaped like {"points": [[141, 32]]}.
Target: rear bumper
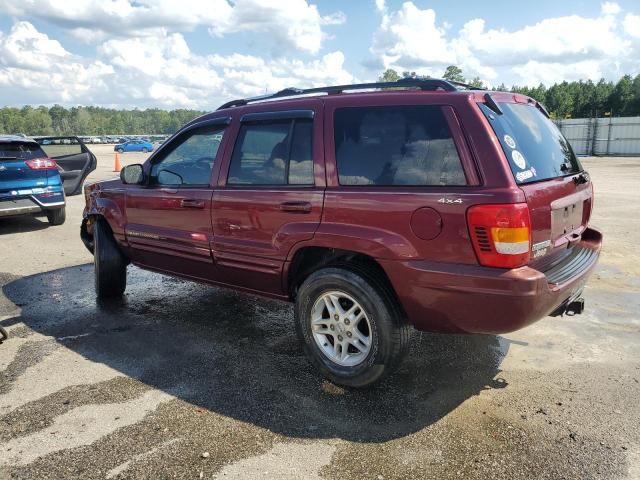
{"points": [[12, 205], [474, 299]]}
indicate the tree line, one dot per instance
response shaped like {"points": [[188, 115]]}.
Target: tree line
{"points": [[563, 100], [579, 99], [58, 120]]}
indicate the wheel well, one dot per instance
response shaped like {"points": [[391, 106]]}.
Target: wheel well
{"points": [[86, 229], [310, 259]]}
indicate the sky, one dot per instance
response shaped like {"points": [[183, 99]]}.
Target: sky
{"points": [[200, 53]]}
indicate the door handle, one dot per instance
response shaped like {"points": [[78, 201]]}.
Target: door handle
{"points": [[296, 207], [191, 203]]}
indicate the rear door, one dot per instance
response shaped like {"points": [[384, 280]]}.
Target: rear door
{"points": [[168, 222], [558, 191], [75, 160], [270, 197]]}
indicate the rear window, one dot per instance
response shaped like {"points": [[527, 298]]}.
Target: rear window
{"points": [[396, 145], [534, 146], [20, 150]]}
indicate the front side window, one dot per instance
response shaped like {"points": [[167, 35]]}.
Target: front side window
{"points": [[396, 145], [191, 160], [275, 153]]}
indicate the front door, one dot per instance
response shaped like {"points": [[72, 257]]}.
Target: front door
{"points": [[169, 217], [271, 197]]}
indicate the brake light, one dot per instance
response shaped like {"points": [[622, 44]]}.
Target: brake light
{"points": [[42, 164], [501, 234]]}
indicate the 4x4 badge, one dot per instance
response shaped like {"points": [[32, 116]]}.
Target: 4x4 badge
{"points": [[450, 200]]}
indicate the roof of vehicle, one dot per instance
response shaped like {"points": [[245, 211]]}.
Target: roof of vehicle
{"points": [[436, 88], [15, 138], [421, 83]]}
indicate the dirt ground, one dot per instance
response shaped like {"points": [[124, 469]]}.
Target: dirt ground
{"points": [[183, 380]]}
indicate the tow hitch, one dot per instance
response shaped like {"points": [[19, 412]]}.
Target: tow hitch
{"points": [[575, 308], [571, 308]]}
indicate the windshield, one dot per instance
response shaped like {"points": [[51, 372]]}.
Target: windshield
{"points": [[20, 150], [533, 144]]}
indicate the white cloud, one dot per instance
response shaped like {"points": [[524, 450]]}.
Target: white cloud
{"points": [[27, 48], [286, 23], [549, 73], [566, 47], [610, 8], [32, 62], [159, 71], [632, 25]]}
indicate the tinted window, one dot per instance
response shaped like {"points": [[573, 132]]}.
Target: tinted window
{"points": [[400, 145], [22, 151], [190, 158], [276, 153], [533, 144], [60, 147]]}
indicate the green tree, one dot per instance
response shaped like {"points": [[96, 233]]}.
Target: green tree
{"points": [[476, 82], [453, 73], [389, 75], [621, 99]]}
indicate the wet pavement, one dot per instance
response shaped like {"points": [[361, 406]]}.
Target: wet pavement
{"points": [[182, 380]]}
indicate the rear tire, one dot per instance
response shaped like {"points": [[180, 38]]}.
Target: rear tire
{"points": [[374, 348], [110, 271], [57, 216], [145, 150]]}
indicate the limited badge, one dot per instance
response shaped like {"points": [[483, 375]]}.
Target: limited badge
{"points": [[511, 143], [518, 159]]}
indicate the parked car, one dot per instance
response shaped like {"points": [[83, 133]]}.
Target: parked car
{"points": [[422, 204], [35, 175], [134, 146]]}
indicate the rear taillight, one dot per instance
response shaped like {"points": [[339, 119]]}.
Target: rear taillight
{"points": [[42, 164], [501, 234]]}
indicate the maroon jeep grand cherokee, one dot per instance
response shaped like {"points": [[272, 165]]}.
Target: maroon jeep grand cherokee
{"points": [[427, 204]]}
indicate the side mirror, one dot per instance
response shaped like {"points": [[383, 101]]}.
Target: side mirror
{"points": [[132, 174]]}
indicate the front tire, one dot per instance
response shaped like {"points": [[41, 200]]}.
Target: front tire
{"points": [[351, 326], [110, 271], [120, 150], [57, 216], [145, 150]]}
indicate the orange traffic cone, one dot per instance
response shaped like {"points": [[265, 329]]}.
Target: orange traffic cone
{"points": [[117, 166]]}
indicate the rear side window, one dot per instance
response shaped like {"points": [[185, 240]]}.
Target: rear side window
{"points": [[275, 153], [20, 150], [60, 147], [399, 145], [534, 146]]}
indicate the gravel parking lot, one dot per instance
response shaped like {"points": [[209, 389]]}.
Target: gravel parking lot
{"points": [[183, 380]]}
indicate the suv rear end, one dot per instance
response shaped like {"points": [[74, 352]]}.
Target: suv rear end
{"points": [[29, 181], [527, 226]]}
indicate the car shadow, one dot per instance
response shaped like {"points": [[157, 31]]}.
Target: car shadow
{"points": [[23, 223], [237, 355]]}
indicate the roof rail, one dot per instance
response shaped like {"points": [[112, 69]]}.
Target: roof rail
{"points": [[421, 83]]}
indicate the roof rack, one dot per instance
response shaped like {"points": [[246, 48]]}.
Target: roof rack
{"points": [[409, 82]]}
